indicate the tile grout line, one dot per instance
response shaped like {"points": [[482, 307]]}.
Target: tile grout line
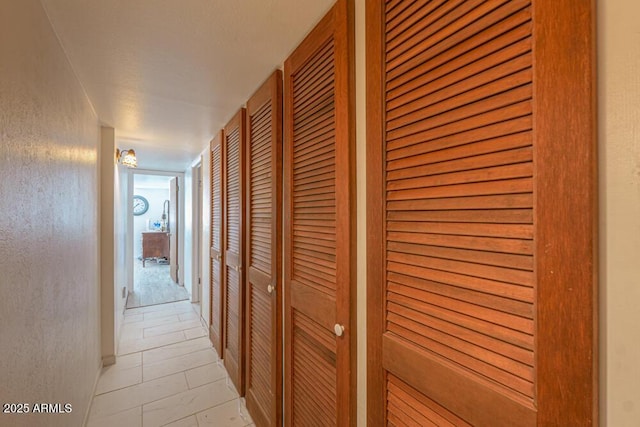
{"points": [[180, 355], [146, 403], [183, 316], [189, 369], [188, 389]]}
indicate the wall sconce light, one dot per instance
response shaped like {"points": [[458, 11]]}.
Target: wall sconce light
{"points": [[127, 158]]}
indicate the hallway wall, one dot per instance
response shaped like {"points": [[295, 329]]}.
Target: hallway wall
{"points": [[49, 296], [619, 145], [205, 303], [120, 237]]}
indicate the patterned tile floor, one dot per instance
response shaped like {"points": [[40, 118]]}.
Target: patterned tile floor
{"points": [[166, 374]]}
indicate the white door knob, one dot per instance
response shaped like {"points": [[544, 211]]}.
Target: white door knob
{"points": [[270, 289], [338, 329]]}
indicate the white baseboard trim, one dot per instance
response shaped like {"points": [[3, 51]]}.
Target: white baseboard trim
{"points": [[204, 323], [93, 393], [108, 360]]}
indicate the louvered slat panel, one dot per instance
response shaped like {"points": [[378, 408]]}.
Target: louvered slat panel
{"points": [[234, 317], [459, 191], [233, 190], [431, 57], [314, 373], [438, 26], [313, 183], [216, 196], [233, 300], [260, 189], [259, 376], [407, 406], [216, 245], [233, 238], [216, 296]]}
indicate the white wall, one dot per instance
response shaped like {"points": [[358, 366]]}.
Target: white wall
{"points": [[205, 306], [49, 289], [107, 251], [619, 144], [361, 177], [120, 247], [188, 231]]}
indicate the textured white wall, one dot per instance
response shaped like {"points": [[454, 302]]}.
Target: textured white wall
{"points": [[49, 296], [107, 245], [187, 228], [619, 144], [205, 306], [120, 246]]}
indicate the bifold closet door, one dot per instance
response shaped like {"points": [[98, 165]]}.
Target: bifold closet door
{"points": [[216, 254], [319, 226], [264, 254], [234, 229], [481, 204]]}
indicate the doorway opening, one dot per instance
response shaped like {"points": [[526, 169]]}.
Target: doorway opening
{"points": [[154, 238]]}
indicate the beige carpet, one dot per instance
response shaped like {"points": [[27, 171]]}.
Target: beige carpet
{"points": [[153, 285]]}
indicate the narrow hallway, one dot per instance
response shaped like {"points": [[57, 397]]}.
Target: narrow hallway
{"points": [[166, 374]]}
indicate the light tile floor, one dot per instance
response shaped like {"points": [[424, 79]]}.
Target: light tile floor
{"points": [[153, 285], [166, 374]]}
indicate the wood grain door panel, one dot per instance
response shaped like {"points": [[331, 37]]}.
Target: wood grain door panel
{"points": [[217, 261], [319, 225], [234, 216], [264, 253], [464, 287]]}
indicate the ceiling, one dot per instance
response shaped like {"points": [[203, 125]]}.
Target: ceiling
{"points": [[168, 74]]}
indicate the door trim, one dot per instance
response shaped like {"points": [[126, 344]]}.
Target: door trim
{"points": [[565, 161], [196, 242]]}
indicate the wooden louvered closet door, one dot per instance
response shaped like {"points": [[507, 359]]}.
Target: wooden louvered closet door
{"points": [[216, 254], [234, 220], [319, 226], [264, 254], [481, 213]]}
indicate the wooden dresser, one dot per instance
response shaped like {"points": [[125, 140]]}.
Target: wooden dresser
{"points": [[155, 244]]}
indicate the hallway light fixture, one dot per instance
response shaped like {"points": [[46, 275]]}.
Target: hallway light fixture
{"points": [[127, 158]]}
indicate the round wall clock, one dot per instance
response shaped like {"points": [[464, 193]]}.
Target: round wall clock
{"points": [[140, 205]]}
